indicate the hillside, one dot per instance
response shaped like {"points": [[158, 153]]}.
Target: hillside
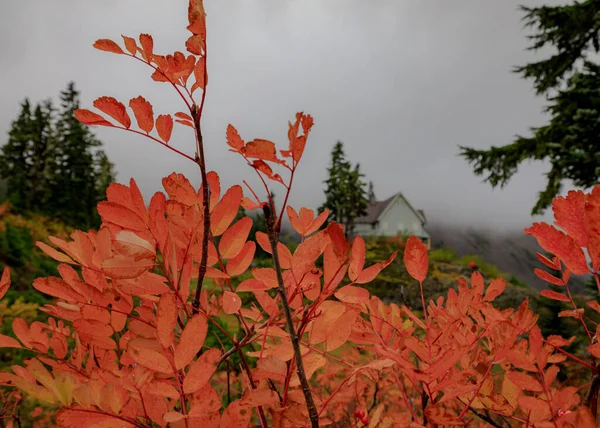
{"points": [[512, 252]]}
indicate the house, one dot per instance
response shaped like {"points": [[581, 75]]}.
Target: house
{"points": [[393, 217]]}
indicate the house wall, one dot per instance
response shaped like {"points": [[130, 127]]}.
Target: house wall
{"points": [[397, 219]]}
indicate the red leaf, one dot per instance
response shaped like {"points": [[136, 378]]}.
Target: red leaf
{"points": [[233, 240], [200, 74], [260, 149], [73, 418], [495, 289], [164, 127], [594, 350], [226, 210], [241, 262], [166, 319], [561, 245], [594, 305], [569, 214], [179, 188], [197, 18], [553, 264], [192, 339], [357, 258], [233, 138], [370, 273], [144, 115], [201, 371], [231, 302], [352, 294], [416, 258], [317, 222], [130, 44], [147, 47], [4, 281], [8, 342], [554, 295], [121, 216], [542, 274], [113, 108], [525, 381], [150, 358], [90, 118], [108, 46]]}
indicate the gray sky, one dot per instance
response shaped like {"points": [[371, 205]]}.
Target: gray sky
{"points": [[401, 82]]}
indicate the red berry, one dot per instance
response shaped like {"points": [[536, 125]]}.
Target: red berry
{"points": [[365, 421], [472, 265], [359, 414]]}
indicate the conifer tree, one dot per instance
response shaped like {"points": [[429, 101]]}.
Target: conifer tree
{"points": [[570, 81], [52, 164], [14, 162], [372, 198], [345, 194]]}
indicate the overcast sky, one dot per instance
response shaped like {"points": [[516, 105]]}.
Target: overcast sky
{"points": [[401, 82]]}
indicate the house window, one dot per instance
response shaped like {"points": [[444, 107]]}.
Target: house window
{"points": [[374, 226], [400, 228]]}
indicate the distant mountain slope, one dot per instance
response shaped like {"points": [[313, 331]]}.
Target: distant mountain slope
{"points": [[512, 252]]}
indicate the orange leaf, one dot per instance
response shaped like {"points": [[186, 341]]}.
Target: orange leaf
{"points": [[370, 273], [166, 319], [121, 216], [545, 276], [130, 44], [525, 381], [4, 281], [260, 149], [192, 339], [113, 108], [226, 210], [164, 127], [150, 358], [352, 294], [594, 350], [147, 47], [495, 289], [241, 262], [357, 258], [592, 304], [569, 213], [416, 258], [197, 18], [56, 255], [231, 302], [553, 264], [233, 240], [561, 245], [200, 74], [173, 417], [201, 371], [317, 222], [144, 115], [554, 295], [179, 188], [233, 138], [108, 46], [8, 342], [73, 418], [90, 118]]}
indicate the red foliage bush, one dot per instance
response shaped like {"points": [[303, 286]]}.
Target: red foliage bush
{"points": [[125, 344]]}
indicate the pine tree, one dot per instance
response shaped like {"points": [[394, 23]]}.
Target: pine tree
{"points": [[51, 163], [372, 198], [570, 81], [345, 194], [78, 192], [14, 162]]}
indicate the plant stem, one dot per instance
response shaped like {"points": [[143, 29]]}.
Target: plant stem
{"points": [[200, 160], [273, 233]]}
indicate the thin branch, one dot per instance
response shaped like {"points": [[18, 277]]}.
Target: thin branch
{"points": [[274, 238]]}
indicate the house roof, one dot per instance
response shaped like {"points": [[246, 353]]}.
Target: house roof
{"points": [[375, 210]]}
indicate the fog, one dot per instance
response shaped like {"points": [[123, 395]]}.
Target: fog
{"points": [[402, 83]]}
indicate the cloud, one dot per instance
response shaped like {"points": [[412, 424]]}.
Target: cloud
{"points": [[401, 83]]}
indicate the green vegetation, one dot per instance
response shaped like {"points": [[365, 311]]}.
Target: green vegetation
{"points": [[346, 195], [53, 165]]}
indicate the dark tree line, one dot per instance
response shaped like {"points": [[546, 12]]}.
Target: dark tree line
{"points": [[53, 165]]}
